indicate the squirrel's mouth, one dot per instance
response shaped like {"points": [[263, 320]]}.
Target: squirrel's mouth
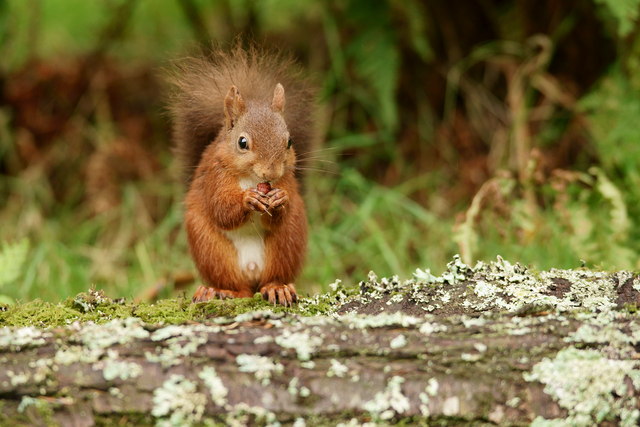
{"points": [[254, 179], [270, 178]]}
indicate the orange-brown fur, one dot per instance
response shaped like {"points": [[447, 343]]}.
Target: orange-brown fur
{"points": [[200, 84], [256, 107]]}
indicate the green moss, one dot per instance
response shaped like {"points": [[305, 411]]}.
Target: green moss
{"points": [[233, 307], [347, 418], [38, 313], [94, 306], [169, 311], [29, 411], [128, 420], [43, 409]]}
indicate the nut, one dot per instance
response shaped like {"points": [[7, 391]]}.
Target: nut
{"points": [[264, 187]]}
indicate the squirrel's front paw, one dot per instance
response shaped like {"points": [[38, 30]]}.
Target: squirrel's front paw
{"points": [[254, 200], [278, 198]]}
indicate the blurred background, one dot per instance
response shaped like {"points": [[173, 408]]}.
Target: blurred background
{"points": [[495, 127]]}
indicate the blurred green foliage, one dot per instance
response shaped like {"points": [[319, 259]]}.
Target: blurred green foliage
{"points": [[485, 128]]}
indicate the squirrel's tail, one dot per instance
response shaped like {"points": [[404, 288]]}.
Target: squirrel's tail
{"points": [[201, 83]]}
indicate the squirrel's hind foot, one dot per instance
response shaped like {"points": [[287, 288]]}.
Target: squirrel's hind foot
{"points": [[206, 293], [280, 293]]}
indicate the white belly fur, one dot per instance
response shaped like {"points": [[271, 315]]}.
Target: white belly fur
{"points": [[249, 242]]}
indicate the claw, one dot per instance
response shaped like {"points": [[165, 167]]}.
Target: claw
{"points": [[206, 293], [287, 296], [277, 198], [279, 293], [256, 201]]}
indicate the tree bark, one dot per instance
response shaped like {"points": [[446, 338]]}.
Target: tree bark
{"points": [[451, 367], [477, 368]]}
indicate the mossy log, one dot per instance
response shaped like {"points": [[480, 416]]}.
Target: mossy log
{"points": [[319, 367], [526, 363]]}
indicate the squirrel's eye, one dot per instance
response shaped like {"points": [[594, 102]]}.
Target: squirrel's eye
{"points": [[289, 143], [243, 143]]}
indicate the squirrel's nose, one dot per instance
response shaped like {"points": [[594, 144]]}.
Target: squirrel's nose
{"points": [[272, 173], [269, 177]]}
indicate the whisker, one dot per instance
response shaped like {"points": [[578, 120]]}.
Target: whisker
{"points": [[317, 157], [312, 156], [318, 160], [318, 167], [318, 170], [319, 150]]}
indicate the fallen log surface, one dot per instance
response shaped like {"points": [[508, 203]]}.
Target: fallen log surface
{"points": [[497, 345]]}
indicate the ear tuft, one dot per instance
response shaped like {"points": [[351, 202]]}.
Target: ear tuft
{"points": [[277, 104], [233, 106]]}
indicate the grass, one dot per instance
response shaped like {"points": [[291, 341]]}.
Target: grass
{"points": [[356, 223], [72, 251], [355, 226]]}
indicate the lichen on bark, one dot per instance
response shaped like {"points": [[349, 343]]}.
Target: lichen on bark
{"points": [[496, 342]]}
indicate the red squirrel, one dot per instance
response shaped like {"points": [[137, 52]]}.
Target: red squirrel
{"points": [[237, 131]]}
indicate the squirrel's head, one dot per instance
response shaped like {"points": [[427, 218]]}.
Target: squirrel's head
{"points": [[257, 138]]}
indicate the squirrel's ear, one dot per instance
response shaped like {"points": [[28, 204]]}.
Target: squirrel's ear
{"points": [[233, 106], [277, 104]]}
